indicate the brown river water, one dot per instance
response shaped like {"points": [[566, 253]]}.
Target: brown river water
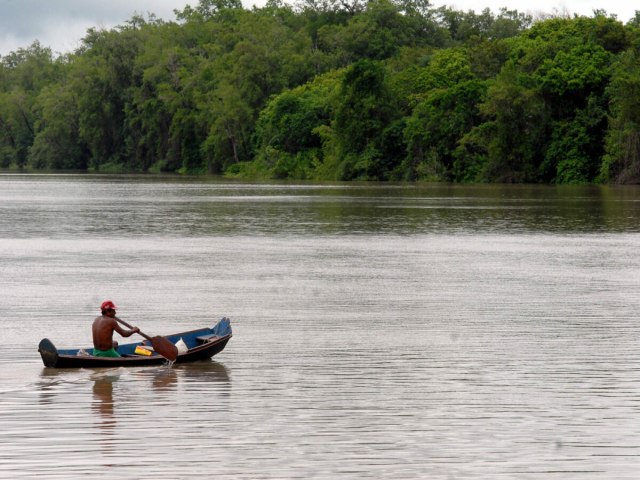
{"points": [[380, 331]]}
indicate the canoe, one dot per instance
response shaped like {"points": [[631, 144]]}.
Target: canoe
{"points": [[201, 344]]}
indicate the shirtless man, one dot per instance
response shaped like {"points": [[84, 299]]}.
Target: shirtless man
{"points": [[103, 328]]}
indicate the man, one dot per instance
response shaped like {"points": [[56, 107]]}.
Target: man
{"points": [[103, 328]]}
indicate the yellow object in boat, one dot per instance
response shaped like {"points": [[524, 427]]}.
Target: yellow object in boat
{"points": [[142, 351]]}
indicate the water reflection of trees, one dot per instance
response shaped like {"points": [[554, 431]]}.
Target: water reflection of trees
{"points": [[411, 209]]}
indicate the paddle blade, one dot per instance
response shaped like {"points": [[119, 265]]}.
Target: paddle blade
{"points": [[165, 348]]}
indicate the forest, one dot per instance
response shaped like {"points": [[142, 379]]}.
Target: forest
{"points": [[379, 90]]}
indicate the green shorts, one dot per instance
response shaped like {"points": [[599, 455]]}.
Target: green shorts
{"points": [[105, 353]]}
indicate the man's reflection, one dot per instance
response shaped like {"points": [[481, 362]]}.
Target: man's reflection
{"points": [[103, 399]]}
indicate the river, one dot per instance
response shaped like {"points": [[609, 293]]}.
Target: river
{"points": [[380, 331]]}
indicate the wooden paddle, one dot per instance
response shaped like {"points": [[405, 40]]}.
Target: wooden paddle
{"points": [[160, 344]]}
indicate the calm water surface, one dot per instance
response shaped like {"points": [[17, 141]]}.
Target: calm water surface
{"points": [[379, 331]]}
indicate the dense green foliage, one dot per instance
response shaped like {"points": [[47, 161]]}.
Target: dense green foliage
{"points": [[382, 90]]}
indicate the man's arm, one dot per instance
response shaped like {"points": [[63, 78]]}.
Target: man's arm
{"points": [[122, 331]]}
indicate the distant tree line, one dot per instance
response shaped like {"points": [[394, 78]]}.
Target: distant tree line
{"points": [[334, 90]]}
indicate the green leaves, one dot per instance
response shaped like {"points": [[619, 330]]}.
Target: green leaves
{"points": [[447, 108], [621, 162], [578, 70], [379, 90], [288, 132]]}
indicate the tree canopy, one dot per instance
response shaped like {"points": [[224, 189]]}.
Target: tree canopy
{"points": [[340, 90]]}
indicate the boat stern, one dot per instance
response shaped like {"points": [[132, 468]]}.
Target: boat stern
{"points": [[48, 352]]}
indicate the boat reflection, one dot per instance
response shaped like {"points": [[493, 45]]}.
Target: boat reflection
{"points": [[164, 379], [56, 383], [205, 371], [115, 390]]}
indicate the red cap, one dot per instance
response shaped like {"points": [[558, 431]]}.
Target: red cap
{"points": [[108, 305]]}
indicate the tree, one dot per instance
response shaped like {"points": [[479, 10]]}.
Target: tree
{"points": [[104, 78], [449, 95], [23, 73], [58, 145], [364, 110], [17, 132], [546, 108], [621, 163], [515, 132], [378, 33], [470, 26], [435, 128], [206, 10], [288, 137], [228, 139], [575, 148]]}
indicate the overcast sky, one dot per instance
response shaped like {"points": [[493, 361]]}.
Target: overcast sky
{"points": [[60, 24]]}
